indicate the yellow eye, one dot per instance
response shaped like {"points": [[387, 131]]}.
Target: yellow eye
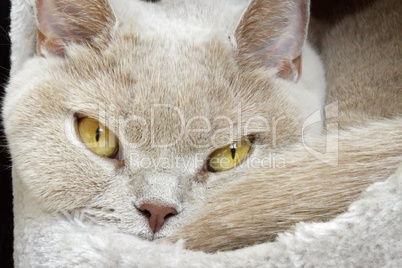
{"points": [[97, 137], [229, 156]]}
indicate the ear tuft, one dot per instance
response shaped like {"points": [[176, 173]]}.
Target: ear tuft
{"points": [[271, 34], [61, 22]]}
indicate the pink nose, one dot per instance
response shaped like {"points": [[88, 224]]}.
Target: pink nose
{"points": [[157, 215]]}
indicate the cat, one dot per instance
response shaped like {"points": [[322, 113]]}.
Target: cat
{"points": [[126, 105], [363, 74], [173, 83]]}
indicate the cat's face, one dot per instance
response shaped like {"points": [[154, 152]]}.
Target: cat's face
{"points": [[170, 105]]}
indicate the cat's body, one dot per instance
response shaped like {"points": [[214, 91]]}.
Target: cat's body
{"points": [[362, 56], [146, 70]]}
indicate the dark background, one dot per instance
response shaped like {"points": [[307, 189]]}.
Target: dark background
{"points": [[6, 220], [325, 10]]}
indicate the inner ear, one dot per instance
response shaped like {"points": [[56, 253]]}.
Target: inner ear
{"points": [[290, 69], [61, 22], [271, 34]]}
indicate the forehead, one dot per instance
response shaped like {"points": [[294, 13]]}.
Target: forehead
{"points": [[134, 74], [166, 87], [158, 68]]}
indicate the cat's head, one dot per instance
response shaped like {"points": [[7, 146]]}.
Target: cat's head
{"points": [[136, 127]]}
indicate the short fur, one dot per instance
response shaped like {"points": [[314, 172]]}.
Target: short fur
{"points": [[112, 76], [189, 57], [363, 66]]}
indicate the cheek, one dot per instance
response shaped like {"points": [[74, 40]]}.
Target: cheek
{"points": [[201, 191], [57, 173]]}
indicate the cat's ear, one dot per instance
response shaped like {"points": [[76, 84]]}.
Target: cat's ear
{"points": [[271, 34], [61, 22]]}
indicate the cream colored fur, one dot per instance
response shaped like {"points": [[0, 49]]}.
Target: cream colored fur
{"points": [[197, 64], [363, 66], [257, 206], [124, 74]]}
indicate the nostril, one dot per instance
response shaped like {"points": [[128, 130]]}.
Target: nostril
{"points": [[170, 215], [146, 213], [143, 211]]}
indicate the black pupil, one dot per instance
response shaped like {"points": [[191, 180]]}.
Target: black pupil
{"points": [[233, 152], [97, 134]]}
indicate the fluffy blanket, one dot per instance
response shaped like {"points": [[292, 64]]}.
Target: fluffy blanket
{"points": [[369, 234]]}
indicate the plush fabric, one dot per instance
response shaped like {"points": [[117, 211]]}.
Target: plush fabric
{"points": [[369, 234]]}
